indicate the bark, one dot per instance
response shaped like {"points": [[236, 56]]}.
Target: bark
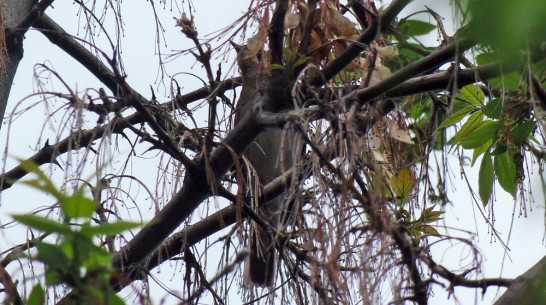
{"points": [[528, 288], [12, 12]]}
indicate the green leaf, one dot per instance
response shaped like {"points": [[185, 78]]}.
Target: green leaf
{"points": [[532, 138], [42, 224], [78, 206], [110, 228], [37, 296], [403, 183], [114, 299], [456, 117], [429, 215], [506, 173], [480, 150], [52, 255], [302, 60], [472, 94], [430, 230], [487, 58], [53, 277], [67, 247], [486, 131], [493, 108], [42, 183], [78, 247], [508, 81], [508, 26], [486, 178], [416, 27], [521, 132], [468, 127], [277, 67], [99, 258]]}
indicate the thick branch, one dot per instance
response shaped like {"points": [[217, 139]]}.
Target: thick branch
{"points": [[58, 36], [195, 190], [433, 61], [194, 233], [432, 82], [36, 12]]}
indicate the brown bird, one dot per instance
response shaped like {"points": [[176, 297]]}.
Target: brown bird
{"points": [[264, 155]]}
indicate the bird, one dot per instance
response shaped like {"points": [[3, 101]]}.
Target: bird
{"points": [[264, 156]]}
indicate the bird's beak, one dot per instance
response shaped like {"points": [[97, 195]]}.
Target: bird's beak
{"points": [[237, 47]]}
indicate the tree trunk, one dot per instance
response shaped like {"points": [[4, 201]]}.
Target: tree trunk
{"points": [[11, 49]]}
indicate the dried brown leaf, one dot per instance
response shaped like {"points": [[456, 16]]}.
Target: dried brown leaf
{"points": [[291, 21], [339, 24]]}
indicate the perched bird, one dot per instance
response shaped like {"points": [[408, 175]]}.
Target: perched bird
{"points": [[264, 156]]}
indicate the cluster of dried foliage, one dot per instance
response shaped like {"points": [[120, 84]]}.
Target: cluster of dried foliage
{"points": [[364, 198]]}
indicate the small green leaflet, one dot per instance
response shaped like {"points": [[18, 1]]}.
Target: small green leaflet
{"points": [[416, 27], [480, 150], [472, 94], [471, 123], [109, 228], [506, 172], [486, 178], [521, 132], [493, 109], [52, 256], [37, 295], [403, 183], [43, 224], [78, 206], [486, 131], [456, 117], [487, 58]]}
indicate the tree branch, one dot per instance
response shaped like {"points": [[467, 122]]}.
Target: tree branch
{"points": [[195, 189], [458, 280], [433, 61], [432, 82], [49, 153], [35, 14], [58, 36]]}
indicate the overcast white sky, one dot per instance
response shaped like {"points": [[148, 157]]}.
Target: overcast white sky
{"points": [[141, 64]]}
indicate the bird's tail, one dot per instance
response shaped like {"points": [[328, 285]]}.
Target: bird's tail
{"points": [[260, 266]]}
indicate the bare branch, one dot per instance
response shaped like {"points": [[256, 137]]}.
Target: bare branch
{"points": [[49, 153], [58, 36], [459, 280]]}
